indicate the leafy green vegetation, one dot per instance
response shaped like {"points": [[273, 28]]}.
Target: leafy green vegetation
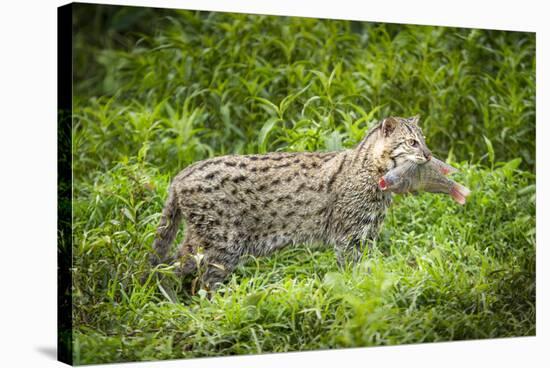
{"points": [[157, 90]]}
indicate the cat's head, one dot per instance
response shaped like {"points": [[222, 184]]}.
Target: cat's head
{"points": [[396, 140]]}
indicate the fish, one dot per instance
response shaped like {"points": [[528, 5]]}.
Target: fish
{"points": [[430, 177]]}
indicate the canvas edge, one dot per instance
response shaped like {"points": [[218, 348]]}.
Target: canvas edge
{"points": [[64, 184]]}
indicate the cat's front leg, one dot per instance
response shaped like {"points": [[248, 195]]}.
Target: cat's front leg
{"points": [[349, 253]]}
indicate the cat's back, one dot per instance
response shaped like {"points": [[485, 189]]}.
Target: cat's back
{"points": [[253, 184]]}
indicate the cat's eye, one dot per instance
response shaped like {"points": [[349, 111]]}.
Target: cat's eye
{"points": [[413, 143]]}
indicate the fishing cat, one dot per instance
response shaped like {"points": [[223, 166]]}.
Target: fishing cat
{"points": [[256, 204]]}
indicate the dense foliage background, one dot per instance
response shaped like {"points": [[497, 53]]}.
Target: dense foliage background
{"points": [[156, 90]]}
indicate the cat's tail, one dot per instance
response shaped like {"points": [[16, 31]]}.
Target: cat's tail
{"points": [[167, 229]]}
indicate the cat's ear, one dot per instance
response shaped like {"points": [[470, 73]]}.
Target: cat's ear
{"points": [[414, 120], [388, 126]]}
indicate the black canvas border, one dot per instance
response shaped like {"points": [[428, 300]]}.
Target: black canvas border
{"points": [[64, 184]]}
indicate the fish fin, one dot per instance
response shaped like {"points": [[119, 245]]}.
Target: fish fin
{"points": [[382, 184], [446, 170], [444, 167], [459, 193]]}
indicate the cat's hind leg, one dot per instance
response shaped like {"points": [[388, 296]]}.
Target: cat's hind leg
{"points": [[218, 264], [190, 253]]}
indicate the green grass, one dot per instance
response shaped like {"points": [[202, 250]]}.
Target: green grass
{"points": [[158, 90]]}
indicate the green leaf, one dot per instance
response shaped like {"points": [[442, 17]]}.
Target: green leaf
{"points": [[264, 132], [527, 190], [512, 165], [335, 282], [128, 214], [490, 150], [167, 295], [268, 106], [254, 298], [283, 106], [334, 142]]}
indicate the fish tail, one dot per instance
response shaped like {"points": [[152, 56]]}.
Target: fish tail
{"points": [[459, 193]]}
